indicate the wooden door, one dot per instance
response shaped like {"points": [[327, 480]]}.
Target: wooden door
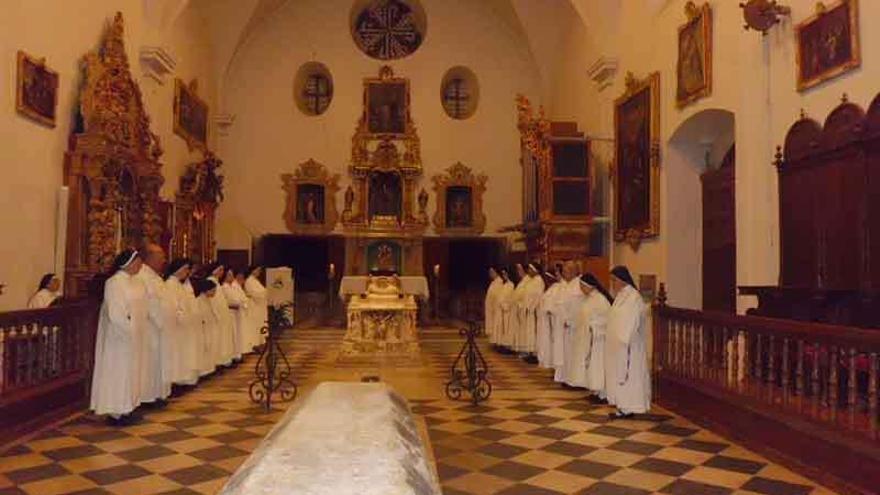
{"points": [[719, 237]]}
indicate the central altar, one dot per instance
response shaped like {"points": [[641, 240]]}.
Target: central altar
{"points": [[381, 324]]}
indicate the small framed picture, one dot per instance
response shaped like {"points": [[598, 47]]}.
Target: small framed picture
{"points": [[828, 43], [36, 94]]}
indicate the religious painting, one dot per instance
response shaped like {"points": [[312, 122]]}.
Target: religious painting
{"points": [[36, 90], [458, 207], [190, 115], [310, 203], [636, 170], [386, 106], [388, 29], [311, 199], [385, 195], [694, 71], [384, 257], [459, 194], [828, 43]]}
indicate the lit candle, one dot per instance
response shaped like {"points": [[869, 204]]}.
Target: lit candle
{"points": [[436, 270], [332, 270]]}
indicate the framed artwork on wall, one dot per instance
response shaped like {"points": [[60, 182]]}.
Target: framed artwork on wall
{"points": [[828, 43], [36, 94], [190, 115], [311, 199], [694, 69], [459, 192], [636, 172]]}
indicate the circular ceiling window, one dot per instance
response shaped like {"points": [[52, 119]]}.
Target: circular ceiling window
{"points": [[459, 92], [313, 88], [388, 29]]}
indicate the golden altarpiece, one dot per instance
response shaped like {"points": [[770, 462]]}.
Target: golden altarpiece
{"points": [[111, 168], [195, 210], [114, 176], [385, 212], [559, 191]]}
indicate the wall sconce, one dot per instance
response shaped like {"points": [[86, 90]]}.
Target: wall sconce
{"points": [[761, 15]]}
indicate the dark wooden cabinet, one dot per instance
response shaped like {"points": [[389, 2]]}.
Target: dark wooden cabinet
{"points": [[829, 212], [719, 236]]}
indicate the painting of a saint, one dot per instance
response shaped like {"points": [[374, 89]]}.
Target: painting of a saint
{"points": [[37, 90], [386, 107], [383, 257], [828, 44], [385, 194], [310, 204], [694, 72], [458, 207], [636, 127], [190, 116]]}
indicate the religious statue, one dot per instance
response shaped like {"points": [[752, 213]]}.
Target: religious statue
{"points": [[311, 213], [349, 204], [423, 206], [385, 258]]}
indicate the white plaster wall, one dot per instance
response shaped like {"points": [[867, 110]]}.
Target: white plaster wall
{"points": [[754, 77], [270, 136], [63, 31]]}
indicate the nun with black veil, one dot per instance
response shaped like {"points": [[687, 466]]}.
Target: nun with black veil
{"points": [[116, 379], [47, 292], [627, 375]]}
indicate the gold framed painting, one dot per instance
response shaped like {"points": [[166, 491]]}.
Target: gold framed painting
{"points": [[386, 105], [694, 68], [36, 94], [636, 174], [828, 43], [190, 115]]}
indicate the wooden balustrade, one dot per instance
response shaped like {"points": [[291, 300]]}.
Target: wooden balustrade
{"points": [[820, 380], [46, 358]]}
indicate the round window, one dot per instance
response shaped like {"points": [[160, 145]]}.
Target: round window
{"points": [[388, 29], [313, 88], [459, 92]]}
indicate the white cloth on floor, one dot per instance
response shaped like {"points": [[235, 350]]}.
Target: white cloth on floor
{"points": [[627, 376], [116, 379]]}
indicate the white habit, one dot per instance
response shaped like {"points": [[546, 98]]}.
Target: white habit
{"points": [[491, 309], [225, 324], [237, 300], [545, 313], [506, 315], [157, 367], [564, 324], [188, 334], [531, 300], [258, 311], [626, 353], [116, 382], [210, 326], [592, 324], [42, 299], [518, 318]]}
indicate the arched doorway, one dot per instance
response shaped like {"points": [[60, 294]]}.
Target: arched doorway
{"points": [[701, 256]]}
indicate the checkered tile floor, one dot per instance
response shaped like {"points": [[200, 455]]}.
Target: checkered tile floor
{"points": [[531, 438]]}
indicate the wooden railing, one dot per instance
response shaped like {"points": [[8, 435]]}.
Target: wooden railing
{"points": [[819, 379], [46, 359]]}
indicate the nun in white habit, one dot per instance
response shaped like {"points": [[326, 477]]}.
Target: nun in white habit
{"points": [[545, 311], [569, 296], [47, 292], [225, 343], [159, 351], [205, 291], [188, 336], [116, 383], [627, 375], [490, 306], [534, 290], [237, 300], [593, 322], [259, 308], [505, 314], [519, 302]]}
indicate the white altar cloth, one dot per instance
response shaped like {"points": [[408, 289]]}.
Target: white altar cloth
{"points": [[416, 286], [344, 438]]}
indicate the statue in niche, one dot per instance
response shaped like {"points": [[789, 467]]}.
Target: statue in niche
{"points": [[348, 212], [385, 197], [423, 206], [310, 204]]}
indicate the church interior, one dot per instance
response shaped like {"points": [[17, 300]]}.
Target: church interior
{"points": [[440, 246]]}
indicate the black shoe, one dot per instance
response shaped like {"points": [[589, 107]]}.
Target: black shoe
{"points": [[596, 400], [531, 359], [620, 415]]}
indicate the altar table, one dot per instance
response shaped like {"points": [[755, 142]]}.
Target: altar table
{"points": [[416, 286]]}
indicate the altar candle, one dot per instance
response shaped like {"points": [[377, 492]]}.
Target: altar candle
{"points": [[436, 270], [332, 270]]}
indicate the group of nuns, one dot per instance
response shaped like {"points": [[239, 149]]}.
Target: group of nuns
{"points": [[159, 326], [570, 323]]}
